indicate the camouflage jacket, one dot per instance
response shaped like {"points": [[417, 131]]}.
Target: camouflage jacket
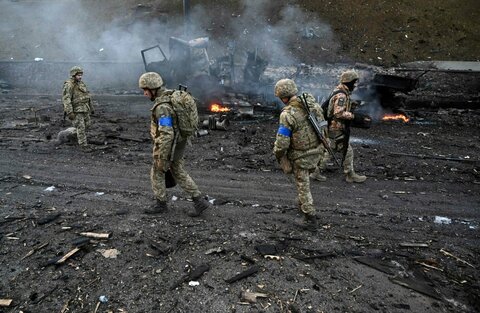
{"points": [[340, 108], [163, 126], [296, 137], [75, 97]]}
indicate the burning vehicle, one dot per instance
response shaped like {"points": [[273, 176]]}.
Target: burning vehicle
{"points": [[213, 82]]}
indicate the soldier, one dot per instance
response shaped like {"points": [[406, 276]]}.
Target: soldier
{"points": [[297, 147], [340, 112], [77, 104], [168, 144]]}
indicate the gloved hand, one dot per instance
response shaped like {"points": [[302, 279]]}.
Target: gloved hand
{"points": [[71, 116], [161, 164]]}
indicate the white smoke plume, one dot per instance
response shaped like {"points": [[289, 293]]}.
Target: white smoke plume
{"points": [[76, 31]]}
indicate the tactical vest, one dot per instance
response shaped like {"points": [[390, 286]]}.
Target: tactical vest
{"points": [[348, 104], [80, 96], [334, 123], [303, 136]]}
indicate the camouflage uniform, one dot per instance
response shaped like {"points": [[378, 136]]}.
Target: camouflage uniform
{"points": [[340, 110], [76, 99], [296, 139], [169, 141], [168, 147], [340, 107]]}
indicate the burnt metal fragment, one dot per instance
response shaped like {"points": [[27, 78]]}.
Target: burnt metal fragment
{"points": [[248, 272]]}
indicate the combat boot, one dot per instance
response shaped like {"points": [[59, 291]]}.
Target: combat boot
{"points": [[200, 204], [317, 176], [310, 222], [353, 177], [158, 207]]}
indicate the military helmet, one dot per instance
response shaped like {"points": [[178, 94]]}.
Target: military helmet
{"points": [[285, 88], [349, 76], [75, 70], [150, 80]]}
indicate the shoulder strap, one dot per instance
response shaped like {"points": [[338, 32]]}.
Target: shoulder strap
{"points": [[336, 92]]}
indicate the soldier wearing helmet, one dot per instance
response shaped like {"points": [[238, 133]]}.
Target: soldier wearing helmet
{"points": [[340, 112], [297, 147], [77, 104], [168, 144]]}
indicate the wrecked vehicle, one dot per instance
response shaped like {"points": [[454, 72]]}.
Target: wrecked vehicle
{"points": [[211, 81]]}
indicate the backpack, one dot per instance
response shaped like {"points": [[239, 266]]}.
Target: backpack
{"points": [[326, 103], [186, 109]]}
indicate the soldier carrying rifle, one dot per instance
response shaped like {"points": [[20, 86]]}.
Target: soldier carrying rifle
{"points": [[340, 114], [298, 146]]}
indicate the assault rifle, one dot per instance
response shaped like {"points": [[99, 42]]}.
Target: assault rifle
{"points": [[318, 127]]}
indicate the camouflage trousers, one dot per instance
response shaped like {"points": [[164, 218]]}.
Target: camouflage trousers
{"points": [[302, 181], [181, 176], [81, 122], [337, 145]]}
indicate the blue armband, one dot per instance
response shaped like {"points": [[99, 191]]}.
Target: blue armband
{"points": [[284, 131], [165, 121]]}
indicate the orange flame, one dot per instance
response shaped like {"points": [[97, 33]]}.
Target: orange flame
{"points": [[395, 117], [215, 107]]}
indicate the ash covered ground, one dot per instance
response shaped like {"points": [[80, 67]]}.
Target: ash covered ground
{"points": [[380, 247], [406, 240]]}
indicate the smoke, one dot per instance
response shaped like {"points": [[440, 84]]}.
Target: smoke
{"points": [[76, 31], [279, 32], [83, 31]]}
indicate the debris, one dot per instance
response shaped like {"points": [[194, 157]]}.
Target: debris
{"points": [[99, 193], [251, 297], [442, 220], [214, 250], [193, 283], [193, 275], [61, 260], [313, 257], [103, 299], [35, 249], [414, 245], [375, 263], [456, 258], [355, 289], [96, 235], [51, 188], [247, 259], [27, 177], [96, 307], [161, 248], [272, 257], [109, 253], [435, 157], [68, 135], [47, 219], [248, 272], [201, 132], [5, 302], [80, 242], [415, 284], [429, 266], [269, 249]]}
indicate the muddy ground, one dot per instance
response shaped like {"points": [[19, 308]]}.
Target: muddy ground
{"points": [[358, 261]]}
